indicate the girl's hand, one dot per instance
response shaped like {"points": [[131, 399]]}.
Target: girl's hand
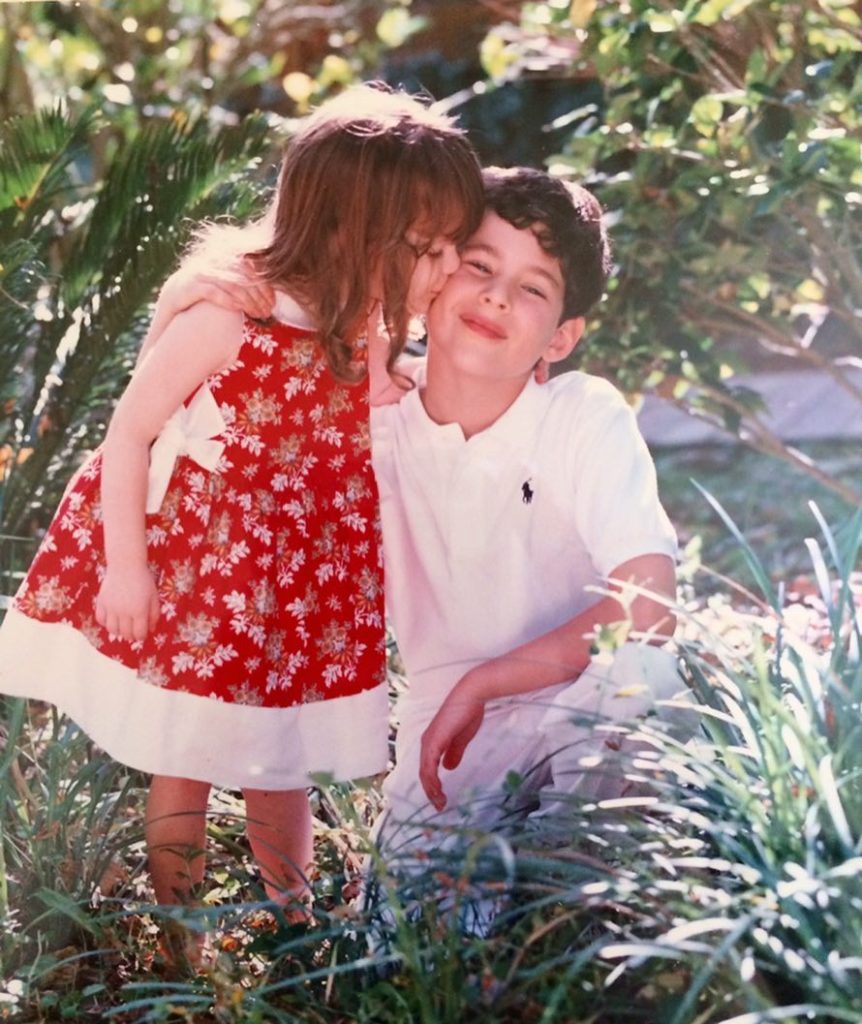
{"points": [[384, 389], [388, 393], [446, 738], [236, 288], [128, 603]]}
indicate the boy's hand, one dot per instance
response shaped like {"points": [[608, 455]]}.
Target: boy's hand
{"points": [[445, 740], [128, 603]]}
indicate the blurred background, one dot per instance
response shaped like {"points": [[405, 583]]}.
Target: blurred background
{"points": [[722, 137]]}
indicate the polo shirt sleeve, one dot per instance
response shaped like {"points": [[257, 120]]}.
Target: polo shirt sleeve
{"points": [[617, 509]]}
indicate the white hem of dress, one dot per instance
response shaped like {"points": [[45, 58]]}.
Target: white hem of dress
{"points": [[165, 732]]}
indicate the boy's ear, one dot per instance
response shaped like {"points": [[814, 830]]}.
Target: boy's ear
{"points": [[566, 336]]}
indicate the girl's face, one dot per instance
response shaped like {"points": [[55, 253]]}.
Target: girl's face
{"points": [[437, 259]]}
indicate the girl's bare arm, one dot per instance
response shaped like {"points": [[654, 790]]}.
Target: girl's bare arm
{"points": [[127, 605]]}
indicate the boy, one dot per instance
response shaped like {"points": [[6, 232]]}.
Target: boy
{"points": [[507, 508]]}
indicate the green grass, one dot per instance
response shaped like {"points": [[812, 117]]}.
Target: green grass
{"points": [[732, 892], [767, 499]]}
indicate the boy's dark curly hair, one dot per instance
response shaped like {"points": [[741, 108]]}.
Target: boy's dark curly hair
{"points": [[567, 222]]}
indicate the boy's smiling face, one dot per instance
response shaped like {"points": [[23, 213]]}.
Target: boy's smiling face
{"points": [[499, 313]]}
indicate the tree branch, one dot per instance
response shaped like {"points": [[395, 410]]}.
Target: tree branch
{"points": [[757, 435], [770, 337]]}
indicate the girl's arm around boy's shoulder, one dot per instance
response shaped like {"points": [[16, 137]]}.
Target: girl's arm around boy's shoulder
{"points": [[234, 289]]}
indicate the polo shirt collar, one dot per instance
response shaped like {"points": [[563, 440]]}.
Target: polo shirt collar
{"points": [[510, 431]]}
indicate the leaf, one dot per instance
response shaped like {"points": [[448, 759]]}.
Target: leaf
{"points": [[830, 794], [495, 56], [580, 12], [760, 284], [756, 71], [821, 573], [754, 564], [664, 21], [706, 113], [334, 70], [65, 905], [298, 86], [716, 10], [810, 290], [397, 25]]}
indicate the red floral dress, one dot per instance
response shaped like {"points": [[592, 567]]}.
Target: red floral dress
{"points": [[266, 553]]}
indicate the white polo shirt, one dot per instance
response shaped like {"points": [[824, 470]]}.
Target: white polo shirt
{"points": [[493, 541]]}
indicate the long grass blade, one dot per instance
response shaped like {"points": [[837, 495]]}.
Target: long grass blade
{"points": [[754, 564]]}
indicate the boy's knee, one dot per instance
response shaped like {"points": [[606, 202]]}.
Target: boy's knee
{"points": [[637, 667]]}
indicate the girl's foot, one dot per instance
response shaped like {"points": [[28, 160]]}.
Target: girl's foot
{"points": [[183, 951], [293, 908]]}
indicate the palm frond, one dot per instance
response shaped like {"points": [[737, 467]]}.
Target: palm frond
{"points": [[118, 250], [163, 175], [22, 273], [37, 152]]}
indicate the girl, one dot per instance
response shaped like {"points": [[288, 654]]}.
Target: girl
{"points": [[207, 603]]}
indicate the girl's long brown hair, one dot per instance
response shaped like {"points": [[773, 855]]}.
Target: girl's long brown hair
{"points": [[363, 170]]}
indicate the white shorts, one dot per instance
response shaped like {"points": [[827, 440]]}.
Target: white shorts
{"points": [[529, 754]]}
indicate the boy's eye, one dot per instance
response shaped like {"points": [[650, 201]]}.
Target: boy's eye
{"points": [[483, 268], [533, 290]]}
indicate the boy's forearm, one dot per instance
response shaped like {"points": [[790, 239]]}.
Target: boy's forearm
{"points": [[646, 588], [561, 655], [556, 657]]}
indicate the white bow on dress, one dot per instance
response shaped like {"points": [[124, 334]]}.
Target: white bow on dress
{"points": [[188, 432]]}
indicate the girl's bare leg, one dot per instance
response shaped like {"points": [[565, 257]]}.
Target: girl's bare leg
{"points": [[176, 836], [280, 833]]}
